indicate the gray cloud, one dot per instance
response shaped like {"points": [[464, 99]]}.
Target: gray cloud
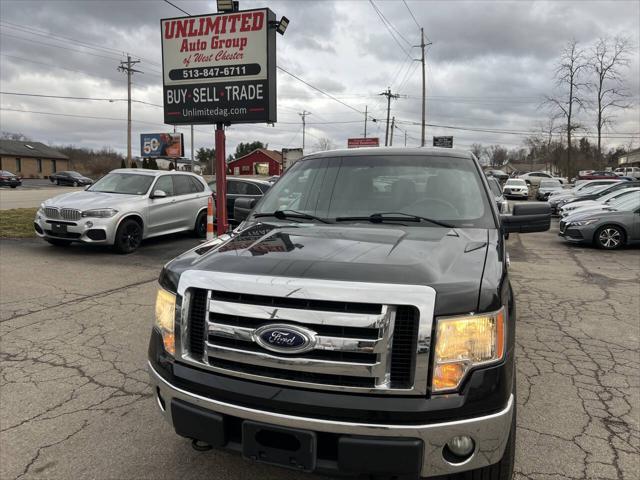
{"points": [[488, 67]]}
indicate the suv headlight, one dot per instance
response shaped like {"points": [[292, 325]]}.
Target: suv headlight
{"points": [[464, 342], [165, 319], [100, 213]]}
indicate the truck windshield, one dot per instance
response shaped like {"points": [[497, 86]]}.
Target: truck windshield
{"points": [[446, 189]]}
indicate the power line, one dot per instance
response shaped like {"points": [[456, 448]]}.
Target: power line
{"points": [[411, 13], [58, 46], [390, 29], [55, 66], [56, 36], [63, 97], [183, 11], [386, 21]]}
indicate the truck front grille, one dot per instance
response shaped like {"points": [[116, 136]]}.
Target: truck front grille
{"points": [[370, 346]]}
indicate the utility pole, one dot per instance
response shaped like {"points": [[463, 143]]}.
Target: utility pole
{"points": [[405, 138], [389, 96], [365, 121], [424, 86], [191, 147], [128, 67], [393, 124], [303, 115]]}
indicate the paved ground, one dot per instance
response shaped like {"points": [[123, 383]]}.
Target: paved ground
{"points": [[74, 400], [30, 197]]}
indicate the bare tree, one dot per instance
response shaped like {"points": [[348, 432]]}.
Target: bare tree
{"points": [[608, 57], [497, 155], [569, 101], [324, 144], [477, 149], [14, 136]]}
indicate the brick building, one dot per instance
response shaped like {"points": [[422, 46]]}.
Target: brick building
{"points": [[259, 162], [31, 159]]}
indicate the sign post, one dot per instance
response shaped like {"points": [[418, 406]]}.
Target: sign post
{"points": [[220, 69]]}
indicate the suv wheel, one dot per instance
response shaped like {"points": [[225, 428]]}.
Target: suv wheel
{"points": [[57, 242], [200, 229], [57, 182], [75, 184], [128, 236], [609, 237]]}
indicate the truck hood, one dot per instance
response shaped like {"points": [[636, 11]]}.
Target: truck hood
{"points": [[449, 260], [84, 200]]}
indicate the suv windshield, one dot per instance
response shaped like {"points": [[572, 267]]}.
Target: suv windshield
{"points": [[446, 189], [125, 183]]}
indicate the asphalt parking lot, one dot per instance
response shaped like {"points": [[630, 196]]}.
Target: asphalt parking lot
{"points": [[74, 399], [31, 194]]}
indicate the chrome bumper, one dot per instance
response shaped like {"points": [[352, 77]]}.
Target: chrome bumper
{"points": [[489, 432]]}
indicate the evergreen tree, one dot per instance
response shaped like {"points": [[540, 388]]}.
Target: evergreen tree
{"points": [[133, 164], [123, 164], [145, 163]]}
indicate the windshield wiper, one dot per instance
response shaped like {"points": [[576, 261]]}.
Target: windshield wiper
{"points": [[399, 217], [284, 214]]}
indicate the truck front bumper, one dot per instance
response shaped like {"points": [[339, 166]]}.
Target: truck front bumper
{"points": [[423, 443]]}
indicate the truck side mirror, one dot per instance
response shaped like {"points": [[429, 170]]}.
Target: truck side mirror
{"points": [[242, 208], [527, 218]]}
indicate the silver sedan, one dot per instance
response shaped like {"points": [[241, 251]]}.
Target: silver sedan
{"points": [[125, 207]]}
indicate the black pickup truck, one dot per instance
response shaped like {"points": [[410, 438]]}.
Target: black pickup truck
{"points": [[360, 320]]}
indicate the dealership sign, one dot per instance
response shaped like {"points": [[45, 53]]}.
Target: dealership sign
{"points": [[363, 142], [219, 68], [446, 142], [156, 145]]}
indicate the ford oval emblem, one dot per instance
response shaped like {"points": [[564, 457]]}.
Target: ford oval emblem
{"points": [[284, 338]]}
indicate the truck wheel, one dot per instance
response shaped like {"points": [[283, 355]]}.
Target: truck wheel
{"points": [[57, 182], [128, 236], [57, 242], [609, 237]]}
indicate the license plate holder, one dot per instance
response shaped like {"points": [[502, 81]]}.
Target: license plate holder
{"points": [[284, 447], [59, 228]]}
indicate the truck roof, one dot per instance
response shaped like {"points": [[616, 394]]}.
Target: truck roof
{"points": [[397, 151]]}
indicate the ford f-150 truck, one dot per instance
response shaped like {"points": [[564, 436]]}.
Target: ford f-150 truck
{"points": [[360, 320]]}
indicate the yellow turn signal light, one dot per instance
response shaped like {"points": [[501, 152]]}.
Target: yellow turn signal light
{"points": [[165, 319]]}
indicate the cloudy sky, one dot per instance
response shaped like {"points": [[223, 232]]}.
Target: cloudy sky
{"points": [[489, 66]]}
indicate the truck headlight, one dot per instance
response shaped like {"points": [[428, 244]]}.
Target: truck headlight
{"points": [[165, 316], [100, 213], [464, 342]]}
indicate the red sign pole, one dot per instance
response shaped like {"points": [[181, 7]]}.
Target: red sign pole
{"points": [[221, 181]]}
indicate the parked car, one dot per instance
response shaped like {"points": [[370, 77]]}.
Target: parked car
{"points": [[633, 172], [239, 187], [8, 179], [610, 200], [534, 178], [558, 199], [609, 228], [516, 188], [499, 174], [347, 328], [125, 207], [496, 189], [70, 178], [595, 194], [597, 175], [547, 187]]}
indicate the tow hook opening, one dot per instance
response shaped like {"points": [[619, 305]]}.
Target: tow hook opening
{"points": [[200, 446]]}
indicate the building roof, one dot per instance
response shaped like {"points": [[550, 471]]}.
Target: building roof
{"points": [[22, 148], [272, 154]]}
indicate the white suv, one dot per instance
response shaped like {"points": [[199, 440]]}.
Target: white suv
{"points": [[124, 207]]}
